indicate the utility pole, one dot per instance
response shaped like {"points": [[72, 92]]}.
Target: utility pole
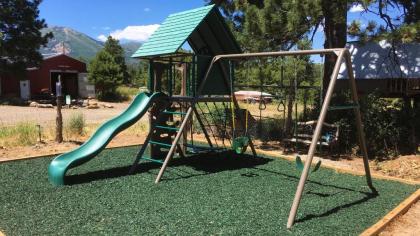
{"points": [[59, 117]]}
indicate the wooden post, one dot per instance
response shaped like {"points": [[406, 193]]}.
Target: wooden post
{"points": [[315, 138], [59, 117], [184, 79]]}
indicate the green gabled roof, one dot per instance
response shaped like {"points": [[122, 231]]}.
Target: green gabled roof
{"points": [[183, 26]]}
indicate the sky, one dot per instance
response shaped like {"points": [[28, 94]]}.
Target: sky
{"points": [[135, 20]]}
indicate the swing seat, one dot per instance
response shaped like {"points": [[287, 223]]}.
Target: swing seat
{"points": [[240, 144]]}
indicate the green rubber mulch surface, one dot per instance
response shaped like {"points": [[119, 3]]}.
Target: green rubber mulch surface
{"points": [[204, 195]]}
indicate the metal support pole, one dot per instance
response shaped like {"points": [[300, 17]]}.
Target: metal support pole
{"points": [[315, 138], [359, 124]]}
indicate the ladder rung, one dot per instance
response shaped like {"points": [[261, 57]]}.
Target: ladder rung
{"points": [[160, 144], [174, 112], [152, 160], [167, 128], [346, 107]]}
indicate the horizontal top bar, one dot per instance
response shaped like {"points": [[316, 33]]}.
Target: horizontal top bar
{"points": [[200, 99], [281, 53]]}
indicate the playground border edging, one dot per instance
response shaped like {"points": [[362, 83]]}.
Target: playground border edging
{"points": [[58, 153], [402, 208]]}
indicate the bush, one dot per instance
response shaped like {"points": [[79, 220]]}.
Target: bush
{"points": [[386, 125], [269, 129], [26, 133], [76, 124]]}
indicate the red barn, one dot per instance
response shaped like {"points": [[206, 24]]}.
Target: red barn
{"points": [[43, 78]]}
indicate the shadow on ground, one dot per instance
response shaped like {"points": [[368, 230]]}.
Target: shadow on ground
{"points": [[202, 164]]}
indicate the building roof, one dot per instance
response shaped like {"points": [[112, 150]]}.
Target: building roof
{"points": [[375, 60], [204, 29]]}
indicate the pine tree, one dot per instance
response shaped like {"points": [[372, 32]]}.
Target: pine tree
{"points": [[20, 36], [105, 74], [269, 25], [113, 47]]}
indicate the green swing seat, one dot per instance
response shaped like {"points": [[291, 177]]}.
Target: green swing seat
{"points": [[240, 144]]}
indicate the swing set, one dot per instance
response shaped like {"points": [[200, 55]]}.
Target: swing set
{"points": [[207, 94]]}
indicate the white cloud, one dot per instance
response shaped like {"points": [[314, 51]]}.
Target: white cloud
{"points": [[102, 38], [138, 33], [146, 9], [106, 28], [357, 8]]}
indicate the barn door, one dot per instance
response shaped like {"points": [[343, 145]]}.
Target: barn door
{"points": [[24, 89]]}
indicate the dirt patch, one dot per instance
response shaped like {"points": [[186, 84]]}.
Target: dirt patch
{"points": [[406, 167], [53, 148], [10, 115], [405, 225]]}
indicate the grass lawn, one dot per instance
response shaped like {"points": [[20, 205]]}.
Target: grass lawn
{"points": [[204, 195]]}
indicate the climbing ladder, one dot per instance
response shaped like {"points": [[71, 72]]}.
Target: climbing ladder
{"points": [[170, 123]]}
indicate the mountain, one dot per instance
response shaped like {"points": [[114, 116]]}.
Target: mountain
{"points": [[80, 45], [130, 48]]}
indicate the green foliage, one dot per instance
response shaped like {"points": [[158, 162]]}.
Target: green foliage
{"points": [[20, 35], [113, 47], [76, 123], [269, 129], [126, 93], [105, 74], [398, 28], [138, 74], [386, 124], [22, 134]]}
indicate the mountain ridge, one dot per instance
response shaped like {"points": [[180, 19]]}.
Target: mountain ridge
{"points": [[79, 45]]}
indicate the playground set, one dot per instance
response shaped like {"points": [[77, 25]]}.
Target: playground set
{"points": [[197, 86]]}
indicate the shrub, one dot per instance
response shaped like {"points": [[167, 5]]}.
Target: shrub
{"points": [[386, 125], [269, 129], [76, 124], [26, 133]]}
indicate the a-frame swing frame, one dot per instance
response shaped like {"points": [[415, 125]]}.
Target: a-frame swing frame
{"points": [[342, 55]]}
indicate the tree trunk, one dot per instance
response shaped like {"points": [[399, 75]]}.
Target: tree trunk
{"points": [[335, 30], [409, 112]]}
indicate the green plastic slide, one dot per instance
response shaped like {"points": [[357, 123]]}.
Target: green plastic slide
{"points": [[62, 163]]}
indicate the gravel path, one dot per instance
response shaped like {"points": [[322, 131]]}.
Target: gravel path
{"points": [[10, 115]]}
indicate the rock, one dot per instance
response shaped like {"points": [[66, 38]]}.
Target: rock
{"points": [[93, 106], [45, 106], [33, 104], [106, 105]]}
